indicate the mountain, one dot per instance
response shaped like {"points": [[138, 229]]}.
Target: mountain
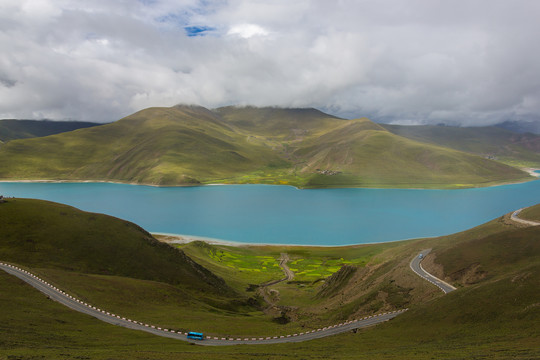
{"points": [[328, 151], [186, 145], [521, 149], [23, 129], [521, 126]]}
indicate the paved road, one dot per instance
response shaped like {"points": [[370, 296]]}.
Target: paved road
{"points": [[419, 270], [75, 304], [526, 222]]}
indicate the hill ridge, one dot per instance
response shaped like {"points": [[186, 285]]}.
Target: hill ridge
{"points": [[190, 145]]}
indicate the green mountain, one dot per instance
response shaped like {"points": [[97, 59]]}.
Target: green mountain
{"points": [[521, 149], [23, 129], [185, 145]]}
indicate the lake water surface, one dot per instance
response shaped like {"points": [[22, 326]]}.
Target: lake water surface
{"points": [[286, 215]]}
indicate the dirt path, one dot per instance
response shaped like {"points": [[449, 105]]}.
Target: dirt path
{"points": [[289, 275], [283, 260]]}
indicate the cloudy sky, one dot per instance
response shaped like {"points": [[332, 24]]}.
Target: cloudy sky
{"points": [[469, 62]]}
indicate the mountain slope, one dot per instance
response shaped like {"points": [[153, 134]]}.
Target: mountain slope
{"points": [[186, 145], [328, 151], [48, 235], [494, 142], [494, 317], [22, 129], [166, 146]]}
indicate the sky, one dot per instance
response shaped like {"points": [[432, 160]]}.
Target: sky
{"points": [[460, 62]]}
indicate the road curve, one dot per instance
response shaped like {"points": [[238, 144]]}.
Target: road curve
{"points": [[416, 266], [65, 299], [289, 275], [283, 260], [515, 218]]}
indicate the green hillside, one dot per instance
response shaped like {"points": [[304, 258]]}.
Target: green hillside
{"points": [[188, 145], [494, 313], [166, 146], [493, 142], [23, 129], [42, 234], [327, 151]]}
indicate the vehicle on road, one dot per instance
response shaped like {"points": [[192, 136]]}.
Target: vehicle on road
{"points": [[421, 256], [195, 335]]}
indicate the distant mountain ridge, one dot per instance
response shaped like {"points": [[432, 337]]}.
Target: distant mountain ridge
{"points": [[11, 129], [532, 127], [493, 142], [189, 144]]}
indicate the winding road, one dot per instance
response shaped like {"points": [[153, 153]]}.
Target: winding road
{"points": [[515, 218], [283, 260], [289, 275], [416, 266], [65, 299]]}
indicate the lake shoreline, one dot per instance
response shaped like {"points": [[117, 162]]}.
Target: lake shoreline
{"points": [[282, 216], [531, 171], [182, 239]]}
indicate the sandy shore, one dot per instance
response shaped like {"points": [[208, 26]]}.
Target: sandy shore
{"points": [[532, 172], [185, 239]]}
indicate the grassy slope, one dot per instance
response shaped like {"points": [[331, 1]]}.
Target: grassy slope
{"points": [[118, 266], [178, 145], [42, 234], [531, 213], [23, 129], [365, 153], [191, 145], [496, 316], [309, 299], [505, 145], [384, 159]]}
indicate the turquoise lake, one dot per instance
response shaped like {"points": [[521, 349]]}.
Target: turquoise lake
{"points": [[286, 215]]}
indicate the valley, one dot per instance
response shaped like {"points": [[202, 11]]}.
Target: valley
{"points": [[331, 285]]}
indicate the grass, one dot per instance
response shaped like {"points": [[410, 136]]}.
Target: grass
{"points": [[259, 264], [186, 145], [495, 316], [41, 234], [242, 266], [450, 327], [531, 213], [168, 306]]}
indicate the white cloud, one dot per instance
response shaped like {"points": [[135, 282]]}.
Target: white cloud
{"points": [[247, 30], [421, 61]]}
